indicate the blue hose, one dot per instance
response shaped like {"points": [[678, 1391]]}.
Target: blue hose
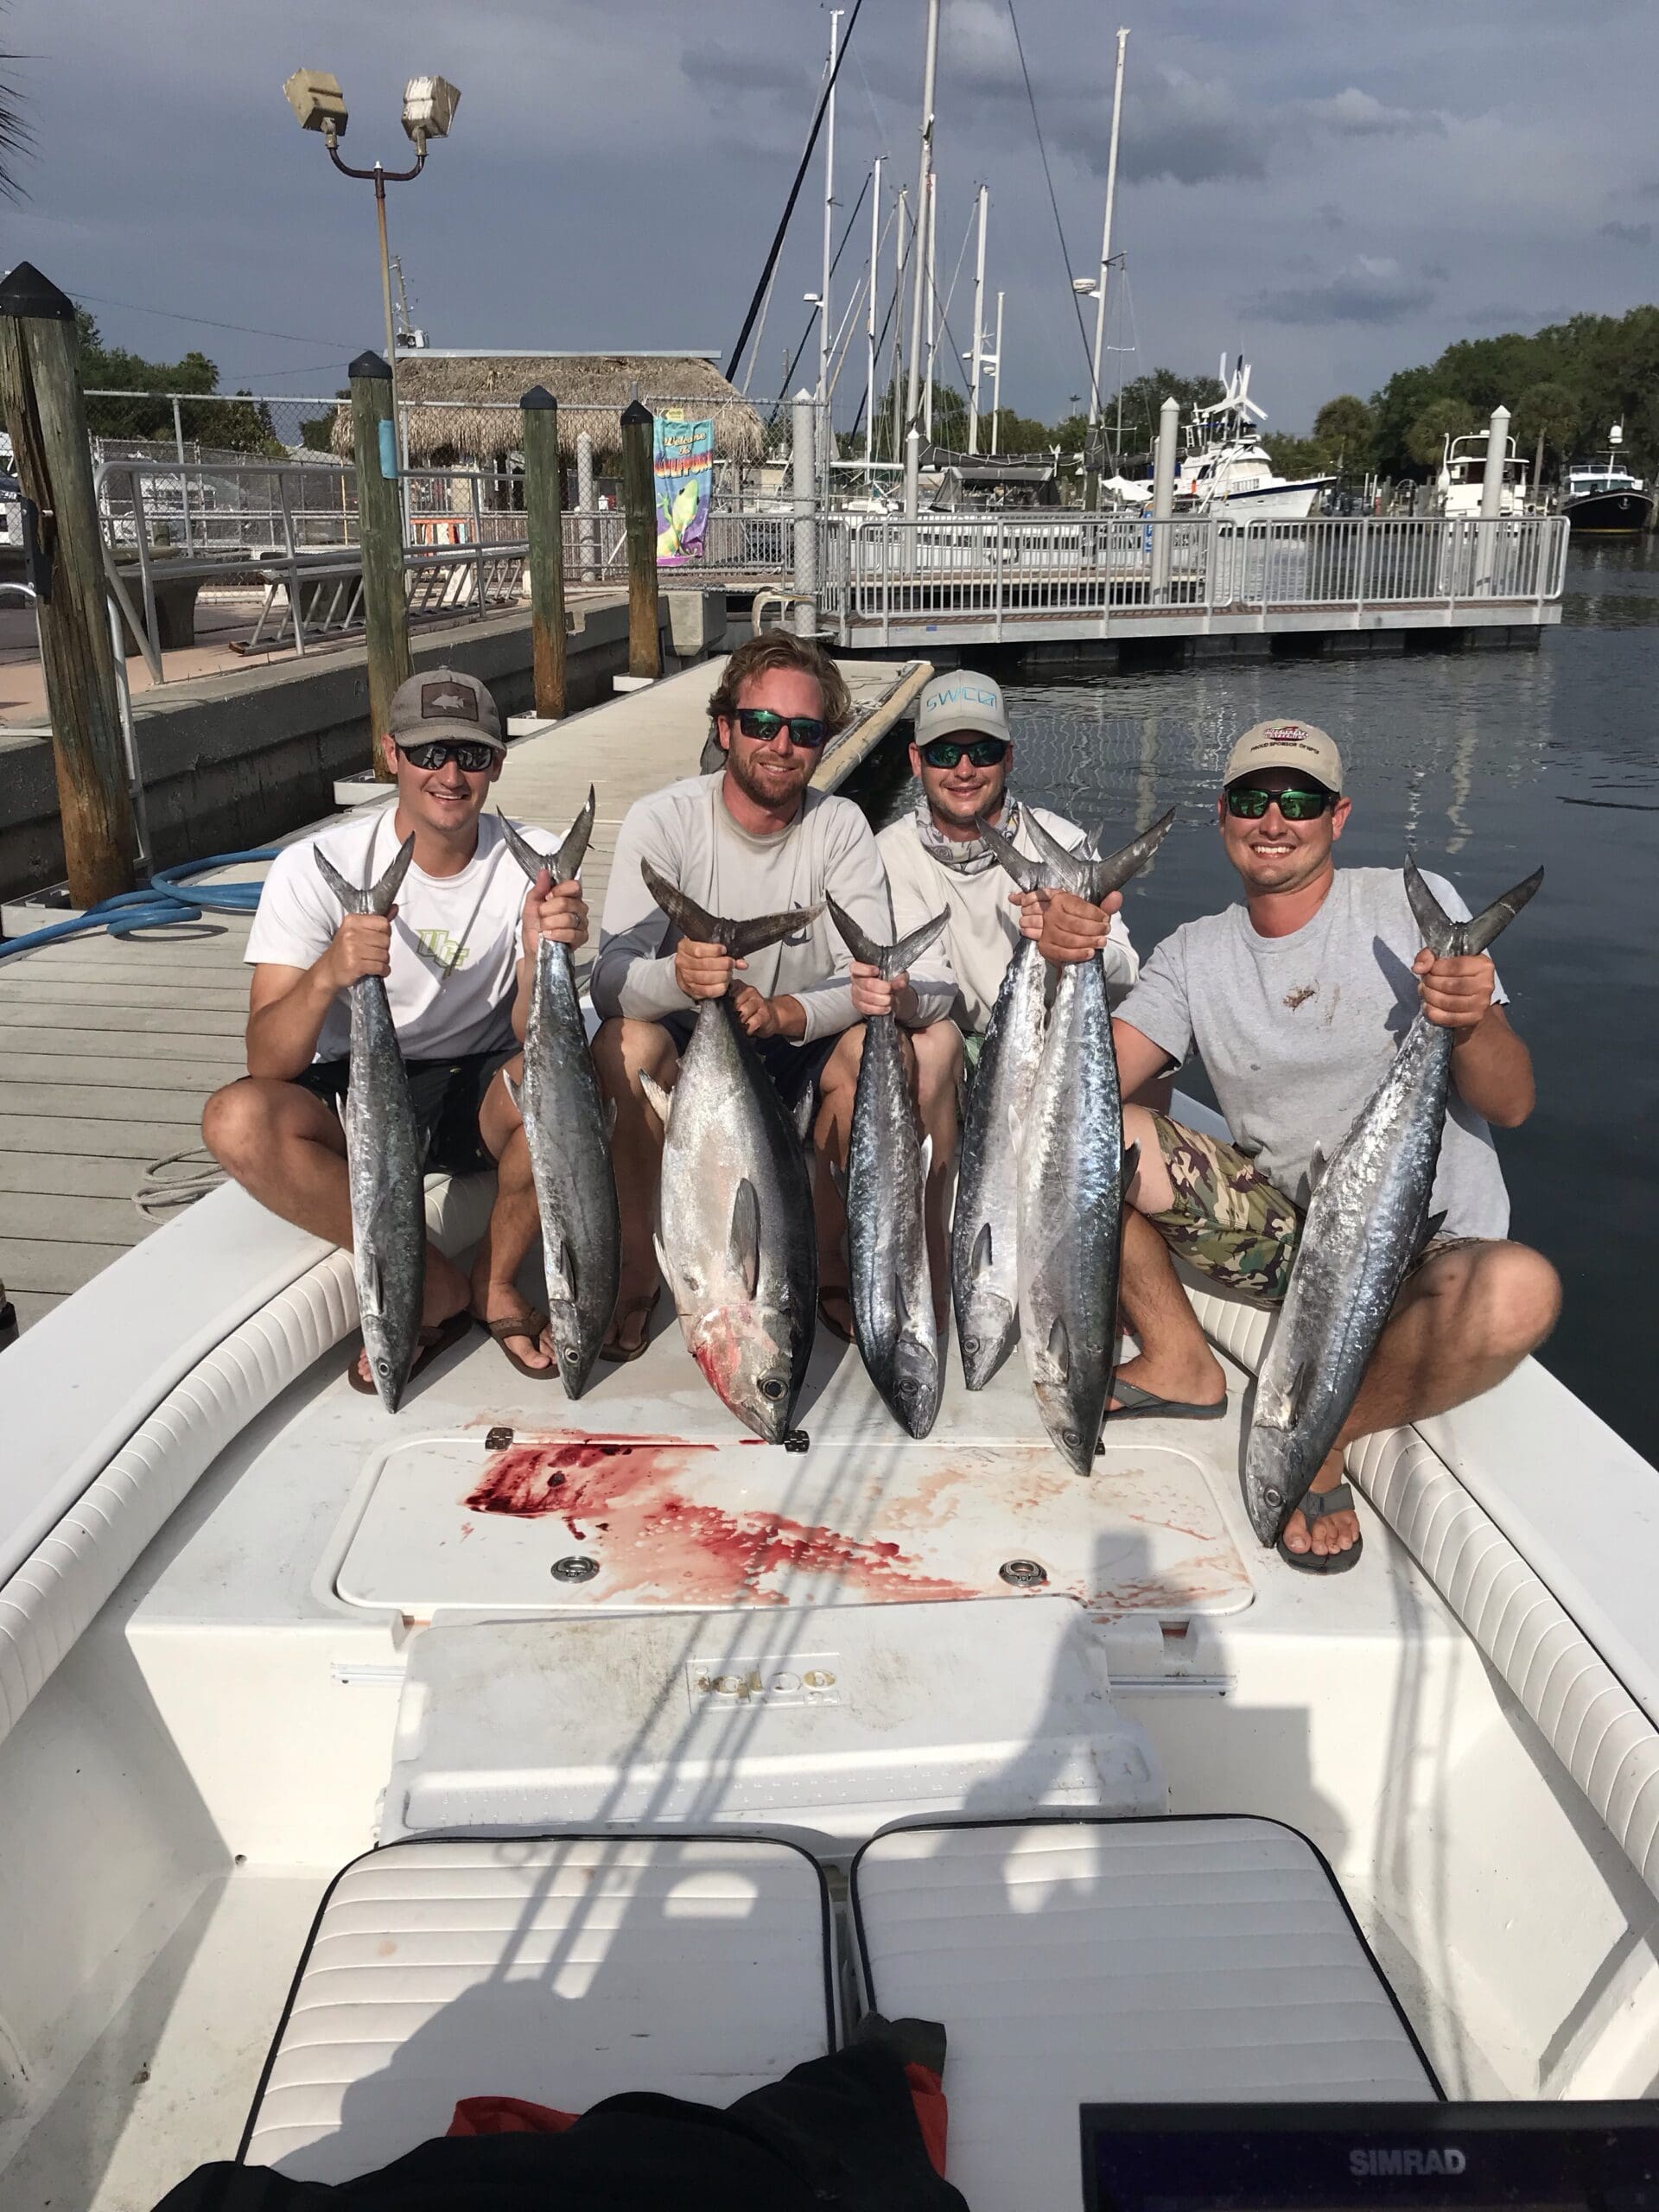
{"points": [[158, 904]]}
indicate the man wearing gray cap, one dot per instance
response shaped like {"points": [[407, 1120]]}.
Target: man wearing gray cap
{"points": [[1296, 1001], [455, 955]]}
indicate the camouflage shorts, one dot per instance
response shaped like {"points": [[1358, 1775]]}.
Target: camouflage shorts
{"points": [[1228, 1222]]}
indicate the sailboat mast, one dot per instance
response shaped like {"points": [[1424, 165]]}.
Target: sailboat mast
{"points": [[996, 376], [869, 321], [929, 74], [900, 250], [932, 301], [979, 320], [1106, 235], [828, 211]]}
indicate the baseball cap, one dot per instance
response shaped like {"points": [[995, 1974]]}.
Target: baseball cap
{"points": [[1287, 745], [445, 702], [961, 700]]}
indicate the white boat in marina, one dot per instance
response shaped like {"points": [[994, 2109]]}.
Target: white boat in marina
{"points": [[1225, 467], [1457, 488], [354, 1764]]}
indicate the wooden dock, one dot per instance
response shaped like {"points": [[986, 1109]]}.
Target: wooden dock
{"points": [[109, 1048]]}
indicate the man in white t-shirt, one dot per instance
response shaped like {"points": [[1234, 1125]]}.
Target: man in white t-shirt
{"points": [[1296, 1002], [454, 953], [755, 839]]}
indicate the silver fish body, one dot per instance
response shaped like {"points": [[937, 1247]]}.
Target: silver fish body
{"points": [[384, 1160], [739, 1243], [1367, 1219], [985, 1226], [568, 1131], [887, 1160], [1071, 1177]]}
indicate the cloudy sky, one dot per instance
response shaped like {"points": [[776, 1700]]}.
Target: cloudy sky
{"points": [[1339, 189]]}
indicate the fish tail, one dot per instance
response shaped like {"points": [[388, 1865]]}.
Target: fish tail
{"points": [[1029, 875], [1440, 930], [1069, 870], [690, 919], [889, 959], [1447, 938], [1493, 920], [351, 898], [524, 852], [739, 939], [1112, 872], [571, 854], [379, 896]]}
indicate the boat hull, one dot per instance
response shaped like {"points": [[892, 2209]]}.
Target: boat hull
{"points": [[1610, 514]]}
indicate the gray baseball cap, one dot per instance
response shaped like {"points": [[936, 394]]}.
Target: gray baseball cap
{"points": [[445, 702], [960, 699]]}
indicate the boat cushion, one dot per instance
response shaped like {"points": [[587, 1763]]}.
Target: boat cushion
{"points": [[1161, 1960], [559, 1969]]}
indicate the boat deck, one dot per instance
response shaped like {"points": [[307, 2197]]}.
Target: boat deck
{"points": [[110, 1048]]}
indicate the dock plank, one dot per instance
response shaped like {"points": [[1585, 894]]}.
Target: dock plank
{"points": [[101, 1102], [68, 1173], [137, 1020], [92, 1071], [56, 1217], [31, 1305], [86, 1041], [173, 998], [74, 1135]]}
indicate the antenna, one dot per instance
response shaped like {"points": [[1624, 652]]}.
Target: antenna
{"points": [[410, 339]]}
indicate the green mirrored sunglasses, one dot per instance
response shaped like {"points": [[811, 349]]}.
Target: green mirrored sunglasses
{"points": [[1249, 802]]}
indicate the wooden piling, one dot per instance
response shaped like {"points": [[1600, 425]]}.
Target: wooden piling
{"points": [[380, 540], [41, 399], [640, 500], [544, 528]]}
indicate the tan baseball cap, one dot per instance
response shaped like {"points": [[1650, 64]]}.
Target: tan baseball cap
{"points": [[1287, 745], [445, 702]]}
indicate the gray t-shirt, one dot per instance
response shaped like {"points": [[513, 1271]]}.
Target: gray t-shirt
{"points": [[1296, 1032]]}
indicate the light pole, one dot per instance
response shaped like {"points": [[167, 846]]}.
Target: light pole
{"points": [[430, 105]]}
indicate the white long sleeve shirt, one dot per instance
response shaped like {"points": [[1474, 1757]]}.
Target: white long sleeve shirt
{"points": [[983, 931], [688, 835]]}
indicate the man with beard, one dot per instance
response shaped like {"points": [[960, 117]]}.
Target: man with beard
{"points": [[755, 839]]}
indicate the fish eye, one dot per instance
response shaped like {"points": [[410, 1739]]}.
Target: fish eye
{"points": [[571, 1354], [772, 1386], [1274, 1497], [385, 1366], [1070, 1437], [970, 1344]]}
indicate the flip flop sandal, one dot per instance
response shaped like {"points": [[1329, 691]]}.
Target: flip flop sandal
{"points": [[617, 1353], [433, 1344], [841, 1291], [1138, 1404], [1315, 1505], [530, 1327]]}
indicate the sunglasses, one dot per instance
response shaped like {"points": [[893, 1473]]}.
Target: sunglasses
{"points": [[759, 723], [982, 752], [1248, 803], [468, 754]]}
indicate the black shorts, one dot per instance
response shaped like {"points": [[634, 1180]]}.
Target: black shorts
{"points": [[446, 1096], [795, 1069]]}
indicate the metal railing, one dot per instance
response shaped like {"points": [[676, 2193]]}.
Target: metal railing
{"points": [[1069, 571]]}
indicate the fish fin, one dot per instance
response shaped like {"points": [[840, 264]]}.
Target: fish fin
{"points": [[660, 1100], [353, 900], [803, 1114], [690, 919], [741, 938], [743, 1243], [376, 1288], [562, 1282], [524, 852], [1431, 1229], [838, 1179], [1319, 1161], [661, 1259], [608, 1113], [1112, 872], [1287, 1412], [426, 1148], [927, 1159], [1059, 1347], [1492, 920], [1029, 875], [1440, 930], [515, 1092], [1131, 1164], [567, 861], [899, 1300], [979, 1260], [380, 895]]}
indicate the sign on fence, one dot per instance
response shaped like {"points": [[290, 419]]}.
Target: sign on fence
{"points": [[683, 460]]}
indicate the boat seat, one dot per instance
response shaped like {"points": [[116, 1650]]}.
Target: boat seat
{"points": [[1151, 1960], [560, 1969]]}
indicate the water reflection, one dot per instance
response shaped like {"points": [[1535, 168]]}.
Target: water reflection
{"points": [[1464, 760]]}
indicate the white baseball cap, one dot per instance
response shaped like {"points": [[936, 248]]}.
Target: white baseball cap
{"points": [[960, 700], [1287, 745]]}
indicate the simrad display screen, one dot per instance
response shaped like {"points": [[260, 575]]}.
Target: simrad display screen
{"points": [[1394, 2158]]}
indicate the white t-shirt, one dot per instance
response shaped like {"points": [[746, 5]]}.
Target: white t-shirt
{"points": [[454, 943]]}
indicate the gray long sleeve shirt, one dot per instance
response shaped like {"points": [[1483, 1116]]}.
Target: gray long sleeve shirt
{"points": [[688, 835]]}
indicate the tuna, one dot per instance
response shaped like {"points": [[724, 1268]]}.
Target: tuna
{"points": [[1367, 1221], [739, 1245], [1072, 1172], [984, 1229], [567, 1127], [888, 1162], [385, 1158]]}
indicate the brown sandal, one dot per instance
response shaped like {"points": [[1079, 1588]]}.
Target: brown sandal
{"points": [[844, 1292], [612, 1349], [433, 1344], [530, 1327]]}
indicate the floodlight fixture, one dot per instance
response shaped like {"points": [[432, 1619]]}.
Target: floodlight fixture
{"points": [[1084, 287], [317, 99], [430, 105]]}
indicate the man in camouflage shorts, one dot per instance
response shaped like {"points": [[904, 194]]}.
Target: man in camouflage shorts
{"points": [[1296, 1001]]}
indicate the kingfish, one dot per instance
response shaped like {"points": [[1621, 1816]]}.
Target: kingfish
{"points": [[384, 1159], [888, 1162], [739, 1245], [1072, 1172], [1367, 1220], [984, 1229], [567, 1127]]}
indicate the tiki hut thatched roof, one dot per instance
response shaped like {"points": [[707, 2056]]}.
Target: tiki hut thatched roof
{"points": [[465, 405]]}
